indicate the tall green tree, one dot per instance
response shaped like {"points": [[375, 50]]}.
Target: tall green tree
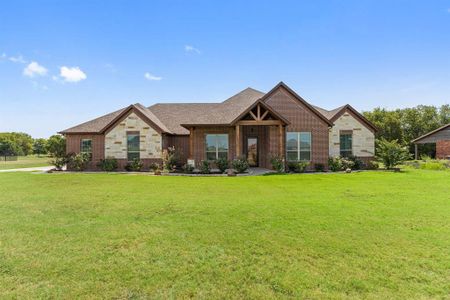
{"points": [[40, 146], [56, 145], [8, 147]]}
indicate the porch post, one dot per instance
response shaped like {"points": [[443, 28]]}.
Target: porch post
{"points": [[281, 139], [238, 141], [416, 152], [191, 143]]}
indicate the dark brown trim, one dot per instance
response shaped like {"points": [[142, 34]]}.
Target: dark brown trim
{"points": [[266, 106], [122, 116], [430, 133], [348, 107], [303, 101]]}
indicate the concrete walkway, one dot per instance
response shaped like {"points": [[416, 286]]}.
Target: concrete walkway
{"points": [[34, 169]]}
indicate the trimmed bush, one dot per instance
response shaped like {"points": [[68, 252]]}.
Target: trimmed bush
{"points": [[108, 164], [78, 162], [277, 163], [204, 167], [335, 164], [319, 167], [297, 166], [222, 164], [134, 166], [188, 169], [153, 167], [372, 165], [59, 162], [240, 165]]}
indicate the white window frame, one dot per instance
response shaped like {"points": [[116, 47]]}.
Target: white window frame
{"points": [[299, 150], [87, 152], [216, 144]]}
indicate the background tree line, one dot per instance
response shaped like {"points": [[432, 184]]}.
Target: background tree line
{"points": [[407, 124], [21, 144]]}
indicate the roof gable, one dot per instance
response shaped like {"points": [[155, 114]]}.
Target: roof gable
{"points": [[282, 85], [336, 113], [430, 134], [104, 123]]}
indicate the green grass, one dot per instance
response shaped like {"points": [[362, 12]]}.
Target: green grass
{"points": [[29, 161], [360, 235]]}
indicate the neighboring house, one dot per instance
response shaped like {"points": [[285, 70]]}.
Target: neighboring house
{"points": [[440, 137], [251, 123]]}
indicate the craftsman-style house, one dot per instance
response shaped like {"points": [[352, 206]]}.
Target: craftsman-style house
{"points": [[251, 123]]}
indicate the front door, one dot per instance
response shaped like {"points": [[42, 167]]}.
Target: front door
{"points": [[252, 151]]}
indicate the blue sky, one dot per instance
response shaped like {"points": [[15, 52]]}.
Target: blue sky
{"points": [[65, 62]]}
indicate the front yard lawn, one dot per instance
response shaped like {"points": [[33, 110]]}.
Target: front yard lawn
{"points": [[29, 161], [360, 235]]}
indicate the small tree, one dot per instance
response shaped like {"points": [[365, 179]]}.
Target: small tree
{"points": [[40, 146], [56, 146], [8, 147], [391, 153]]}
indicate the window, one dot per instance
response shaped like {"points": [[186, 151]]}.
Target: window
{"points": [[86, 147], [216, 146], [133, 146], [345, 142], [298, 146]]}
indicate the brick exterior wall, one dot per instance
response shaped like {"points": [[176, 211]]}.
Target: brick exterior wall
{"points": [[443, 149], [199, 145], [302, 119], [73, 145]]}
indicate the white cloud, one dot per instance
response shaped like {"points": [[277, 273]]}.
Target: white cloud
{"points": [[3, 56], [17, 59], [149, 76], [72, 74], [34, 69], [189, 48]]}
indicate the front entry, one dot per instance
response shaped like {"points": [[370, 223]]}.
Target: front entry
{"points": [[252, 151]]}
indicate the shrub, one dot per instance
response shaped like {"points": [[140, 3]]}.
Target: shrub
{"points": [[240, 164], [347, 163], [171, 158], [372, 165], [108, 164], [319, 167], [59, 162], [134, 166], [358, 164], [391, 153], [153, 167], [277, 163], [204, 167], [222, 164], [335, 164], [434, 165], [78, 162], [188, 169], [297, 166]]}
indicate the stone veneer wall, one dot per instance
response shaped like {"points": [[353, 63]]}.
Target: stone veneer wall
{"points": [[116, 139], [363, 140]]}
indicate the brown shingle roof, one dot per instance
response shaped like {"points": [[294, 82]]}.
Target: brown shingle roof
{"points": [[95, 125], [334, 114], [174, 115], [100, 124], [170, 117]]}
